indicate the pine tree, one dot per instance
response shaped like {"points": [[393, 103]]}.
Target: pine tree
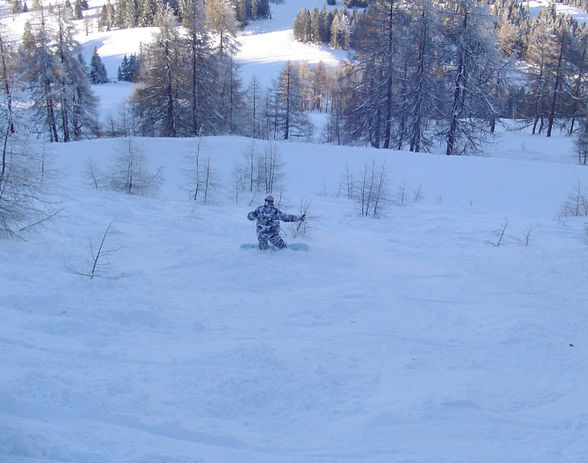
{"points": [[78, 9], [107, 17], [98, 74]]}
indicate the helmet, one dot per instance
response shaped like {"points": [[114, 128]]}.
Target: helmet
{"points": [[269, 198]]}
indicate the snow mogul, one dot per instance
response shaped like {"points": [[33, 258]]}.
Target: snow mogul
{"points": [[268, 219]]}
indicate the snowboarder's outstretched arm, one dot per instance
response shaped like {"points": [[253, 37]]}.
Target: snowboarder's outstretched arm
{"points": [[252, 215], [289, 217]]}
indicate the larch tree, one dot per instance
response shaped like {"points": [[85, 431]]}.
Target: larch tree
{"points": [[44, 87], [157, 100], [77, 103], [422, 88], [289, 119], [472, 63], [201, 71]]}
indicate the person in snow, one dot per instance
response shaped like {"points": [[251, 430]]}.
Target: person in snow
{"points": [[268, 219]]}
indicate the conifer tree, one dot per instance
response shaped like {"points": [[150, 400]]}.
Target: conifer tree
{"points": [[98, 74], [107, 17], [220, 16], [6, 81], [44, 91], [201, 71], [373, 117], [475, 62], [421, 80], [77, 103], [157, 102], [289, 120]]}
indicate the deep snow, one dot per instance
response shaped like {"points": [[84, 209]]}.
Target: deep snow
{"points": [[407, 338]]}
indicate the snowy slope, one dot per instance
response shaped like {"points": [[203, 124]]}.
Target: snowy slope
{"points": [[405, 338], [408, 338]]}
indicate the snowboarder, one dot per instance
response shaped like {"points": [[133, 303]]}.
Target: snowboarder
{"points": [[268, 219]]}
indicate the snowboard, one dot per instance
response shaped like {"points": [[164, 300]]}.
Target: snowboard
{"points": [[291, 246]]}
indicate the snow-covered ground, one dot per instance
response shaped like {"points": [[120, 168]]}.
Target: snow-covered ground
{"points": [[407, 338]]}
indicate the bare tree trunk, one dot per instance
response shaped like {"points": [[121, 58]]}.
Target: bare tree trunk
{"points": [[388, 111], [6, 84], [558, 78]]}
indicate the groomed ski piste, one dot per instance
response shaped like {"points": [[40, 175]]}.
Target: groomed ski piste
{"points": [[420, 336]]}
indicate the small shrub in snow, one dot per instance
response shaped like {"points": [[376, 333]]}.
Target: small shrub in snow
{"points": [[98, 266], [129, 173], [500, 234], [576, 204], [301, 228], [22, 180], [371, 189]]}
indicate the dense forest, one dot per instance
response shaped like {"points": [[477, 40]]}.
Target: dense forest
{"points": [[419, 74]]}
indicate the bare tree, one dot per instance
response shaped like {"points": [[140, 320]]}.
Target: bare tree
{"points": [[202, 175], [371, 189], [22, 196], [576, 203], [260, 170], [129, 173]]}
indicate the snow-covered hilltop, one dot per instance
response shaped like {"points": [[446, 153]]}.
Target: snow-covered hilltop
{"points": [[448, 328]]}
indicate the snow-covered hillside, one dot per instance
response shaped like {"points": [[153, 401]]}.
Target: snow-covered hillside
{"points": [[405, 338], [412, 337]]}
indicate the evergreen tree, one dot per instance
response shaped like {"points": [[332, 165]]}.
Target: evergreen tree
{"points": [[78, 10], [107, 17], [147, 12], [123, 69], [98, 74]]}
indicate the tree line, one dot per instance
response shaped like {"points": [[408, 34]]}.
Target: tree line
{"points": [[428, 72], [125, 14], [334, 27], [421, 75]]}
